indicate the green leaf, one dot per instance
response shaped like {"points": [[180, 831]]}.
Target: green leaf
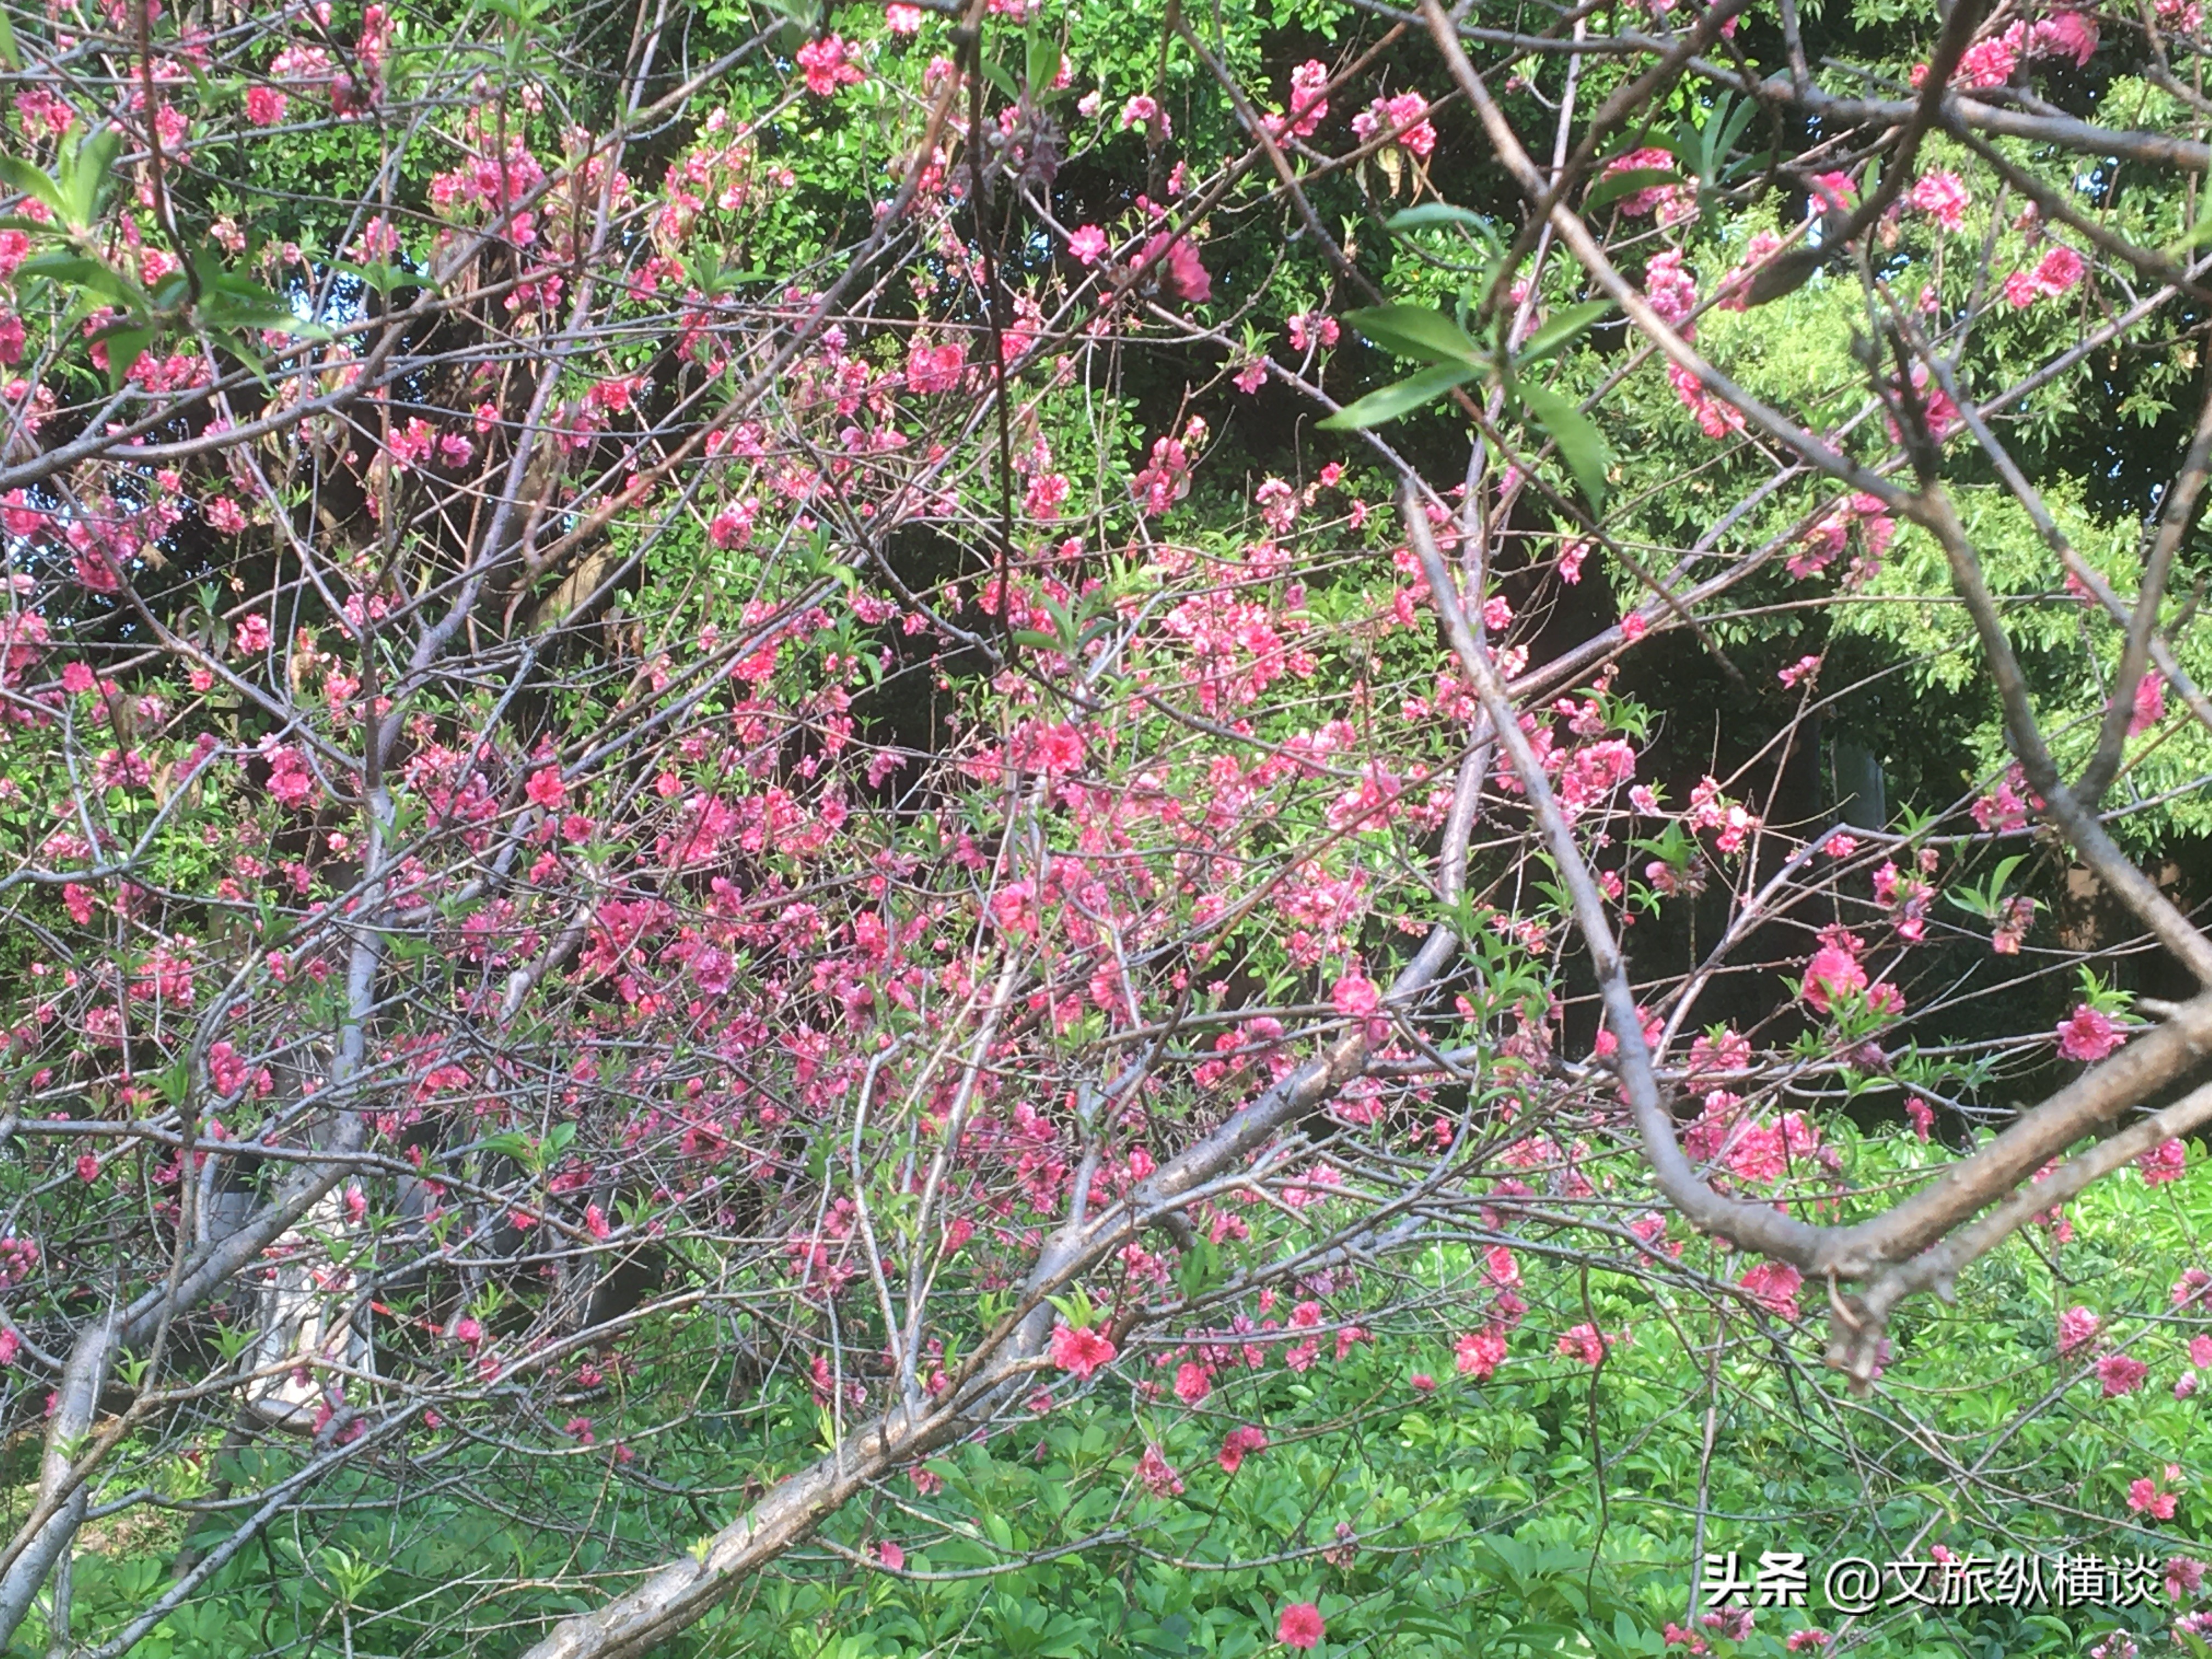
{"points": [[1417, 331], [995, 73], [1561, 329], [1582, 445], [125, 347], [1043, 65], [75, 269], [1626, 182], [91, 174], [9, 53], [1404, 397], [1431, 215], [2191, 239], [27, 180]]}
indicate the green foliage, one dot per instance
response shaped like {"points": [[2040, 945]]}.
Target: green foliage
{"points": [[1551, 1503]]}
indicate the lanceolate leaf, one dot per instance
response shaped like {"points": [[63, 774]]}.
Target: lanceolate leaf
{"points": [[1431, 215], [1400, 398], [1581, 445], [1561, 329], [1417, 331], [1615, 185]]}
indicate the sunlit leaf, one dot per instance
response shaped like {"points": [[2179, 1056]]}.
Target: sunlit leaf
{"points": [[1400, 398]]}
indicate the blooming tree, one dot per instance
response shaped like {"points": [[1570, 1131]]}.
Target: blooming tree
{"points": [[669, 731]]}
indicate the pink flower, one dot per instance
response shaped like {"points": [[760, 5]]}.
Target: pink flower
{"points": [[1832, 974], [1300, 1626], [1775, 1284], [1087, 245], [2077, 1328], [1587, 1343], [10, 1346], [1477, 1354], [1811, 1637], [1408, 110], [2057, 272], [1309, 104], [1923, 1115], [935, 369], [1158, 1475], [2185, 1385], [1672, 290], [2088, 1034], [1186, 274], [1943, 196], [1636, 204], [2145, 1499], [2060, 270], [826, 69], [891, 1556], [545, 787], [1986, 63], [903, 19], [264, 106], [2121, 1374], [1835, 188], [1424, 1384], [2200, 1352], [2166, 1161], [2069, 35], [1141, 110], [2150, 704], [1238, 1445], [1798, 670], [1082, 1352], [88, 1168], [1192, 1384], [2184, 1576], [1355, 996]]}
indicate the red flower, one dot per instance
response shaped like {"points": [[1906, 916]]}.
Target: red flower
{"points": [[1082, 1352], [1300, 1626], [1237, 1444], [2164, 1163]]}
